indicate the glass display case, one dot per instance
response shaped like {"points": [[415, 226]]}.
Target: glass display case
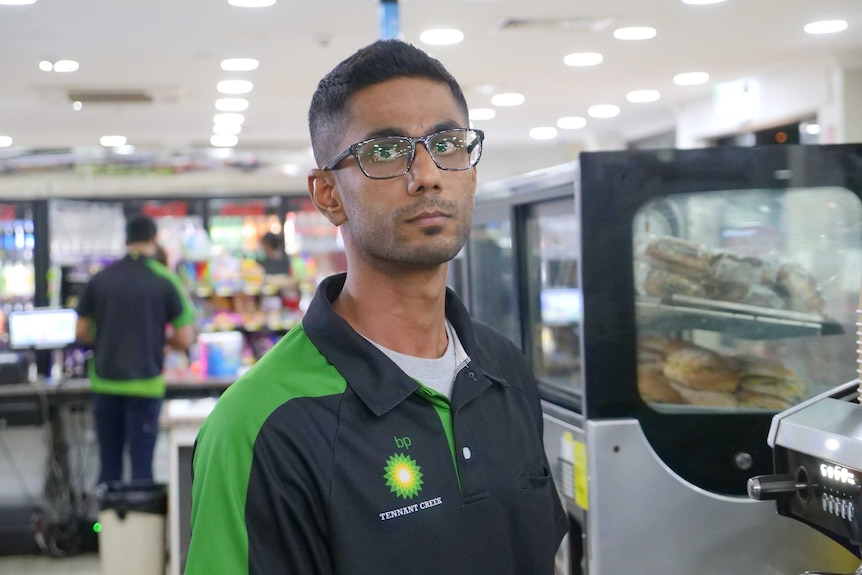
{"points": [[671, 302]]}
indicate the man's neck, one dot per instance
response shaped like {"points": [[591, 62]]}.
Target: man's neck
{"points": [[143, 248], [405, 313]]}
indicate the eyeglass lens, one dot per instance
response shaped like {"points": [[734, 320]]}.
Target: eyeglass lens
{"points": [[390, 157]]}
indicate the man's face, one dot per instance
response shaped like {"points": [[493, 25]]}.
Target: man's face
{"points": [[423, 217]]}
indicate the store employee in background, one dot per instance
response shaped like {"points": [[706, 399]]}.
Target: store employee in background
{"points": [[388, 433], [275, 261], [123, 313]]}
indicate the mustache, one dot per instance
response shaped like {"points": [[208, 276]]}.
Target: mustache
{"points": [[428, 205]]}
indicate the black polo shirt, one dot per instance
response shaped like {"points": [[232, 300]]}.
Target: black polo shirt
{"points": [[129, 305], [326, 458]]}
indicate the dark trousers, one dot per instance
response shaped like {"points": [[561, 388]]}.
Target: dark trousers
{"points": [[124, 421]]}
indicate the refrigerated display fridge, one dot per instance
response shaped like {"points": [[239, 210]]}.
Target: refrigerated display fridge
{"points": [[671, 302]]}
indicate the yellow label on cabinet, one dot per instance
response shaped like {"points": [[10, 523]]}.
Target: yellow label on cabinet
{"points": [[582, 494]]}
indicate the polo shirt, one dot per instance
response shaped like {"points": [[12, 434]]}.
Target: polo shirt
{"points": [[129, 304], [326, 458]]}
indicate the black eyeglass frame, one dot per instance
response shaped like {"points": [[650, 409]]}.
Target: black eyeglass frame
{"points": [[353, 151]]}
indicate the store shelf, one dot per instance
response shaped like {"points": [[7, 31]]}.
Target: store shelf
{"points": [[740, 320]]}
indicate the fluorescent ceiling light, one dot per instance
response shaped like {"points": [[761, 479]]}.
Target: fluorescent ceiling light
{"points": [[65, 66], [604, 111], [231, 104], [441, 36], [691, 78], [234, 87], [5, 141], [16, 2], [826, 27], [507, 99], [229, 129], [46, 66], [251, 3], [239, 64], [642, 96], [543, 133], [701, 2], [812, 129], [221, 153], [571, 123], [228, 119], [482, 114], [223, 140], [112, 141], [583, 59], [635, 33]]}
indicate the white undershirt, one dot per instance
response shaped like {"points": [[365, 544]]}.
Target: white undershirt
{"points": [[438, 374]]}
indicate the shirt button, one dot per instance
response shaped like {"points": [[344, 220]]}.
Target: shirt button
{"points": [[467, 453]]}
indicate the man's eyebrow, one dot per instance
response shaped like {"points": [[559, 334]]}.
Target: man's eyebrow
{"points": [[390, 131]]}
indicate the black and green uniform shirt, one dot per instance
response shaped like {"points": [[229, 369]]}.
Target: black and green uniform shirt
{"points": [[129, 304], [326, 458]]}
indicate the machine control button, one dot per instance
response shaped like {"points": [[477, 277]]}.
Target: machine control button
{"points": [[823, 500], [850, 511], [467, 453]]}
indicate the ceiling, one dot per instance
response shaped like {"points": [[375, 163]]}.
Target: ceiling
{"points": [[171, 50]]}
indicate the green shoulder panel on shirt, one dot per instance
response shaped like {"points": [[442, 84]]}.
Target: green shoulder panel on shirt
{"points": [[293, 368], [188, 314]]}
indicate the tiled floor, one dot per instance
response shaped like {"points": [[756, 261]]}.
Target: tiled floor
{"points": [[35, 565]]}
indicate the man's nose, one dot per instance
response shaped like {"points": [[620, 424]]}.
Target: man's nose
{"points": [[424, 175]]}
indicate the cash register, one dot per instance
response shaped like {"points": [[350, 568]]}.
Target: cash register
{"points": [[29, 331], [817, 455]]}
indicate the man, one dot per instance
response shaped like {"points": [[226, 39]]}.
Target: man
{"points": [[388, 433], [274, 261], [123, 313]]}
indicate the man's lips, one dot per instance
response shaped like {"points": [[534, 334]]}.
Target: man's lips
{"points": [[434, 217]]}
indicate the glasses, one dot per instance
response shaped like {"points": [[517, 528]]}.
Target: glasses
{"points": [[392, 156]]}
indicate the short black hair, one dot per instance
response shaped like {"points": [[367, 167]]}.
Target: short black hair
{"points": [[271, 239], [378, 62], [140, 228]]}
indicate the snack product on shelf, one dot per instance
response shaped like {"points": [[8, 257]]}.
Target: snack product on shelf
{"points": [[769, 384], [702, 369], [654, 386], [668, 266], [705, 397]]}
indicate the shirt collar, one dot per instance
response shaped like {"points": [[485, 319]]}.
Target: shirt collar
{"points": [[378, 382]]}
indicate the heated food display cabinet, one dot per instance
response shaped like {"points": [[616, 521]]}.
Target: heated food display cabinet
{"points": [[671, 303]]}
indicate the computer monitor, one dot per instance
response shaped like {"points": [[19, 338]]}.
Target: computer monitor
{"points": [[42, 328]]}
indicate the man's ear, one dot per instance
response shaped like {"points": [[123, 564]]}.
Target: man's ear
{"points": [[323, 188]]}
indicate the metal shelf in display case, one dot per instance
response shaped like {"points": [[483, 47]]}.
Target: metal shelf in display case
{"points": [[680, 312]]}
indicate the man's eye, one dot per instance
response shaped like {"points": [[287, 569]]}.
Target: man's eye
{"points": [[448, 146], [384, 153]]}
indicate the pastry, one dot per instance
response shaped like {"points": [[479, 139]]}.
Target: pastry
{"points": [[703, 369]]}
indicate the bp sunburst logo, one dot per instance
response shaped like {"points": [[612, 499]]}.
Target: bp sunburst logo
{"points": [[403, 476]]}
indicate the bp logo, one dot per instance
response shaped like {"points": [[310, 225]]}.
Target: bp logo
{"points": [[403, 476]]}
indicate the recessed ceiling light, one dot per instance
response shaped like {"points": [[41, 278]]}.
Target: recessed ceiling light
{"points": [[239, 64], [583, 59], [77, 105], [251, 3], [229, 129], [5, 141], [635, 33], [604, 111], [812, 129], [826, 27], [701, 2], [691, 78], [228, 119], [223, 140], [642, 96], [543, 133], [441, 36], [66, 66], [234, 87], [46, 66], [112, 141], [571, 123], [16, 2], [126, 150], [507, 99], [231, 104], [482, 114]]}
